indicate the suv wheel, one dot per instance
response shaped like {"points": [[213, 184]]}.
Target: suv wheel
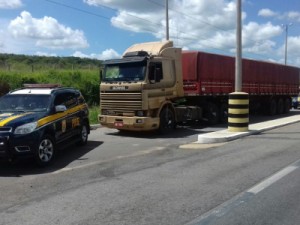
{"points": [[83, 134], [45, 151]]}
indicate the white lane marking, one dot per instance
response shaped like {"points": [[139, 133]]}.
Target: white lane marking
{"points": [[243, 198], [271, 180]]}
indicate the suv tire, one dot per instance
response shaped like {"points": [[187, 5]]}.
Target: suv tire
{"points": [[83, 134], [45, 151]]}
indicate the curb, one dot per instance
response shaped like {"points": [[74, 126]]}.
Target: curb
{"points": [[95, 126], [225, 135]]}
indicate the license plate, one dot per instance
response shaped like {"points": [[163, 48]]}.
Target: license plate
{"points": [[118, 124]]}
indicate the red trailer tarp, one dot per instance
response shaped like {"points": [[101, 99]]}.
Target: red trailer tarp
{"points": [[212, 74]]}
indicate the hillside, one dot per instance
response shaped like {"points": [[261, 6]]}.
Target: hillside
{"points": [[16, 70], [12, 62]]}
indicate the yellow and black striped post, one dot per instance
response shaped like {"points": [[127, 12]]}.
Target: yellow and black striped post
{"points": [[238, 112]]}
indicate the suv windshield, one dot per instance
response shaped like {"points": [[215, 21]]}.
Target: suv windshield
{"points": [[125, 72], [10, 103]]}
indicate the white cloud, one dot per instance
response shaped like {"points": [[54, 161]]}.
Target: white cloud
{"points": [[267, 13], [190, 21], [8, 43], [47, 32], [10, 4], [258, 32], [205, 25], [128, 5], [293, 49], [45, 54], [106, 54], [290, 16], [293, 16]]}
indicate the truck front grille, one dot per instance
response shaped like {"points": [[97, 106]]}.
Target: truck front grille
{"points": [[120, 102]]}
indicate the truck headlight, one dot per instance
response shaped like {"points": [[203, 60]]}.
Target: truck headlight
{"points": [[26, 128]]}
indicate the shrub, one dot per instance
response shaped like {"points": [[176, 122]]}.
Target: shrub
{"points": [[87, 81]]}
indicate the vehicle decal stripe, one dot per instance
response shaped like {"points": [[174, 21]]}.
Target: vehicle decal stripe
{"points": [[11, 118], [57, 116]]}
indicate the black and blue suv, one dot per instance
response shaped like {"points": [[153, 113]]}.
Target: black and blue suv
{"points": [[37, 119]]}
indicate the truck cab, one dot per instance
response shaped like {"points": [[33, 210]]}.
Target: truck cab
{"points": [[137, 92]]}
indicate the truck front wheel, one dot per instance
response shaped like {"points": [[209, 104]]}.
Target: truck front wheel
{"points": [[167, 120]]}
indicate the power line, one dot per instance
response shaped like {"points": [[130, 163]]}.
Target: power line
{"points": [[211, 25], [107, 18], [203, 21], [77, 9], [196, 38]]}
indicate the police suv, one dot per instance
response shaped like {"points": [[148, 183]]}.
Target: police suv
{"points": [[37, 119]]}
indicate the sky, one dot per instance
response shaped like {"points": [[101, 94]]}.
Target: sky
{"points": [[104, 29]]}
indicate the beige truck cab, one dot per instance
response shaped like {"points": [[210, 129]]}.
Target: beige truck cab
{"points": [[137, 92]]}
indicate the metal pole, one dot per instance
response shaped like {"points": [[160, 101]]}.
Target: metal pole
{"points": [[167, 20], [286, 35], [238, 101], [238, 59], [286, 26]]}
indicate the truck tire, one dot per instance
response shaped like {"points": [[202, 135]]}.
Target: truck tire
{"points": [[280, 106], [45, 151], [287, 105], [224, 113], [167, 120], [272, 107], [212, 113]]}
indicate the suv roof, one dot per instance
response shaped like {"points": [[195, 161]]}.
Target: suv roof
{"points": [[45, 89]]}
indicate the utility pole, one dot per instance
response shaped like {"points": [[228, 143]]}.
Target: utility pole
{"points": [[286, 28], [238, 102], [167, 20], [238, 58]]}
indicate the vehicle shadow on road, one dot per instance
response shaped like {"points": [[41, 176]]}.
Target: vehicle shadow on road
{"points": [[189, 129], [63, 158], [181, 131]]}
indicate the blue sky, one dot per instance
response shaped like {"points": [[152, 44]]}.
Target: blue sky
{"points": [[103, 29]]}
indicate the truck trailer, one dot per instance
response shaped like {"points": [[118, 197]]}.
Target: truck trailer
{"points": [[155, 86]]}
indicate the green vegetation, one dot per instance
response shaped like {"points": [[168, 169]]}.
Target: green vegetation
{"points": [[93, 116], [83, 74]]}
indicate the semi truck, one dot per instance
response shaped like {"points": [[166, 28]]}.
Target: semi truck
{"points": [[155, 86]]}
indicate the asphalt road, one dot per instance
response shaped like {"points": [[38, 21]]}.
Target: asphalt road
{"points": [[148, 179]]}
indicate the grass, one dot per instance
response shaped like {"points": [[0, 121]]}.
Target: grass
{"points": [[87, 81], [93, 116]]}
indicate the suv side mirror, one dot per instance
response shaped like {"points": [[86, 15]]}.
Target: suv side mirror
{"points": [[60, 108]]}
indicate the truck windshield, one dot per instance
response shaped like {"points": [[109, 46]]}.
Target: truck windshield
{"points": [[125, 71], [27, 103]]}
